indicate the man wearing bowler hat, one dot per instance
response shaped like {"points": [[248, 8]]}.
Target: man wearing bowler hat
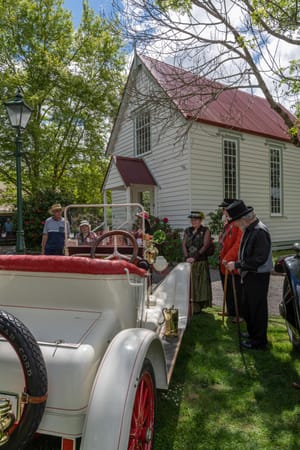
{"points": [[255, 264], [229, 241]]}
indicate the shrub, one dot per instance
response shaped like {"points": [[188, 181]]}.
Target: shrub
{"points": [[171, 248], [214, 259], [35, 212], [215, 225]]}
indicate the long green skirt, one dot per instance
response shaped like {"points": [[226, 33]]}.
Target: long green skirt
{"points": [[201, 286]]}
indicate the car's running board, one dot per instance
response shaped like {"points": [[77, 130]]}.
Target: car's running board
{"points": [[171, 347]]}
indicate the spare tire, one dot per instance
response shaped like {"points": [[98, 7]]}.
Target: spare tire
{"points": [[35, 376]]}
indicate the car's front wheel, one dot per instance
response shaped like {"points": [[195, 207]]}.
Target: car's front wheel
{"points": [[287, 311], [294, 338], [143, 415]]}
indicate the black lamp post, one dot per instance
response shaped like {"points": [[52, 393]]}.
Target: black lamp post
{"points": [[19, 114]]}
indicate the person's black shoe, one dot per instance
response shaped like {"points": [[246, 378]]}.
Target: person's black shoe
{"points": [[245, 335], [296, 385], [237, 320], [250, 346]]}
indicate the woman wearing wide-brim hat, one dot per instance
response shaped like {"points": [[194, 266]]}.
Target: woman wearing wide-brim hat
{"points": [[85, 235], [53, 240], [196, 240]]}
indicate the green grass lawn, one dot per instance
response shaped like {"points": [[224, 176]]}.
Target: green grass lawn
{"points": [[221, 399]]}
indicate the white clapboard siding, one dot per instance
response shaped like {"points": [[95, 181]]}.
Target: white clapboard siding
{"points": [[169, 162], [125, 141], [206, 168], [113, 178], [119, 196], [189, 172], [254, 179], [255, 186]]}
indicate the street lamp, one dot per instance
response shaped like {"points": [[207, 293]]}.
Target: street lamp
{"points": [[19, 114]]}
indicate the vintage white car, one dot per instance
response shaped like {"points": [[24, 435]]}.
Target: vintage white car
{"points": [[82, 338]]}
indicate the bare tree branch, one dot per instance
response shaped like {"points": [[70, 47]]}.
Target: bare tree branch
{"points": [[225, 41]]}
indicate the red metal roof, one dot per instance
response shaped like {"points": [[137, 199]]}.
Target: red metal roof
{"points": [[134, 171], [231, 108]]}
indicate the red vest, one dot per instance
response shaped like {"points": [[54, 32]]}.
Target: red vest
{"points": [[230, 243]]}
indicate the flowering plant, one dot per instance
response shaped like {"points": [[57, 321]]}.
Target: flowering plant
{"points": [[167, 240], [160, 224]]}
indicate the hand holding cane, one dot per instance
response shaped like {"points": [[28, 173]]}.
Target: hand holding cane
{"points": [[224, 294], [236, 309]]}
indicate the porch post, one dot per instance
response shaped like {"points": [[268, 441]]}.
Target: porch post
{"points": [[155, 195], [104, 197], [128, 194]]}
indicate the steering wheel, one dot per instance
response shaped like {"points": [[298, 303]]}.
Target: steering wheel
{"points": [[116, 254]]}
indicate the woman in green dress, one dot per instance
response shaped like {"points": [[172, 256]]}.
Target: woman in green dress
{"points": [[196, 241]]}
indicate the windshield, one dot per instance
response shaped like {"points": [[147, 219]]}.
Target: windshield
{"points": [[95, 220]]}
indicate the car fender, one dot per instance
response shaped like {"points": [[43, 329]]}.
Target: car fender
{"points": [[292, 269], [108, 417]]}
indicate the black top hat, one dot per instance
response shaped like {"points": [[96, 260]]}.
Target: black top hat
{"points": [[237, 210], [226, 202], [197, 215]]}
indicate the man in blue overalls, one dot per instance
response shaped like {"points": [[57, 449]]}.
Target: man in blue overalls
{"points": [[53, 240]]}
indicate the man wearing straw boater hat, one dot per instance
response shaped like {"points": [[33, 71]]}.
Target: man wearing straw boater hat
{"points": [[255, 264], [53, 239]]}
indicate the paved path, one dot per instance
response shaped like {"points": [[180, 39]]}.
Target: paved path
{"points": [[7, 249], [274, 297]]}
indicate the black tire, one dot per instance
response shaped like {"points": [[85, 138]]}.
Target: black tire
{"points": [[295, 340], [35, 376], [288, 311]]}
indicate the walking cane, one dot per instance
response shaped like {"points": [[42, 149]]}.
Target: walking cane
{"points": [[236, 307], [191, 292], [224, 294]]}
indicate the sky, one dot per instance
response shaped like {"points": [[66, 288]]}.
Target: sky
{"points": [[75, 6], [280, 50]]}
